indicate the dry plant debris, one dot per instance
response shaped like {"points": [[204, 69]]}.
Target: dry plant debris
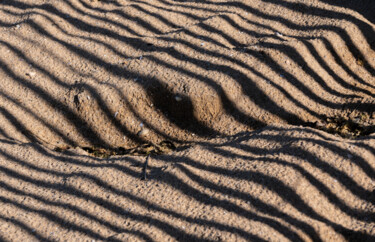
{"points": [[346, 127], [163, 147]]}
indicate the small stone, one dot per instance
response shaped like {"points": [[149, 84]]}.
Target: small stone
{"points": [[31, 74], [320, 124], [178, 98], [143, 132]]}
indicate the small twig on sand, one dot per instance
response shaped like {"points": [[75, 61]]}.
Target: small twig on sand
{"points": [[144, 170]]}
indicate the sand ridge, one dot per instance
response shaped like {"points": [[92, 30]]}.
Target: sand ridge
{"points": [[252, 93]]}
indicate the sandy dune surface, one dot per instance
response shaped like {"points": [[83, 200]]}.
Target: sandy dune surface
{"points": [[268, 108]]}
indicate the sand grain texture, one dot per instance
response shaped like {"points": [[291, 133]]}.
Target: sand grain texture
{"points": [[245, 89]]}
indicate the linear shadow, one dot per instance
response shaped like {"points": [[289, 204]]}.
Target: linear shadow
{"points": [[274, 184], [224, 46], [72, 191], [31, 231], [364, 7]]}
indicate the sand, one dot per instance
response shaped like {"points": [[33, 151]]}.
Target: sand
{"points": [[270, 105]]}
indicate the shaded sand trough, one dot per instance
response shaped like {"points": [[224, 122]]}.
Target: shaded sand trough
{"points": [[270, 105]]}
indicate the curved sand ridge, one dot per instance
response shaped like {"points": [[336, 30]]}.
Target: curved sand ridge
{"points": [[83, 73]]}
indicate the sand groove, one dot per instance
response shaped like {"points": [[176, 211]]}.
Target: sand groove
{"points": [[246, 84]]}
